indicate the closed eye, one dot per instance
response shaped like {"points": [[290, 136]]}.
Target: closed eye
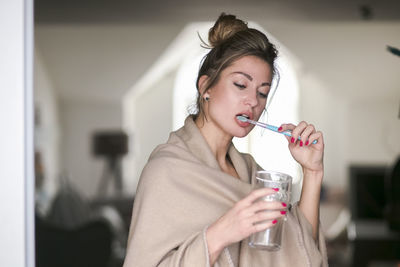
{"points": [[263, 95], [241, 86]]}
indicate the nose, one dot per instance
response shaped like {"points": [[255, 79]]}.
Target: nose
{"points": [[251, 99]]}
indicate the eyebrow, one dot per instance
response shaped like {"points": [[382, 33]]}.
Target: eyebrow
{"points": [[250, 78]]}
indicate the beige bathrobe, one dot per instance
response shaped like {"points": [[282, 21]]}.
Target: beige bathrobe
{"points": [[182, 190]]}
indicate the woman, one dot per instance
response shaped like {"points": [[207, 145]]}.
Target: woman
{"points": [[194, 205]]}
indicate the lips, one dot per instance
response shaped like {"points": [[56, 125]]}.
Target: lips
{"points": [[247, 115]]}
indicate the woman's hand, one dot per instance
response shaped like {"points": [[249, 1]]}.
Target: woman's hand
{"points": [[248, 216], [310, 157], [307, 154]]}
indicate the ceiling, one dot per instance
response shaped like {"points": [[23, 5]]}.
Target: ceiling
{"points": [[153, 11], [97, 49]]}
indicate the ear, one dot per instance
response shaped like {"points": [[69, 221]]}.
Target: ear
{"points": [[202, 83]]}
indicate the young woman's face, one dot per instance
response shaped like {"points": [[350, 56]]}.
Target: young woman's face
{"points": [[242, 89]]}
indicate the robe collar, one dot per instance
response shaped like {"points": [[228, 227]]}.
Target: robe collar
{"points": [[199, 147]]}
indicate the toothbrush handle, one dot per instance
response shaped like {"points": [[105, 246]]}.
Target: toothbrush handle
{"points": [[275, 129]]}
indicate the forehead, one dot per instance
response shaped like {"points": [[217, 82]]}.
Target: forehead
{"points": [[257, 68]]}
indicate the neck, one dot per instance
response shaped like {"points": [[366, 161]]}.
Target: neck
{"points": [[217, 140]]}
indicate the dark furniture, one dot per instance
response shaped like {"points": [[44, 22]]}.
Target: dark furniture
{"points": [[371, 239], [123, 205], [86, 246]]}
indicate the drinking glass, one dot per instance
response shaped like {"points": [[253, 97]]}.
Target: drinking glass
{"points": [[270, 239]]}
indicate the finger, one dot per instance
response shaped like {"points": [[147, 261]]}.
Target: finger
{"points": [[297, 131], [306, 133], [264, 216], [256, 194], [286, 127], [261, 226], [266, 205], [316, 136]]}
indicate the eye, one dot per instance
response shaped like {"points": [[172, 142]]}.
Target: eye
{"points": [[241, 86], [263, 95]]}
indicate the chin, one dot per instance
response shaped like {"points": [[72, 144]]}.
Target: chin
{"points": [[241, 134]]}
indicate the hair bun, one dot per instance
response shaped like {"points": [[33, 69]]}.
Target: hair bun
{"points": [[225, 27]]}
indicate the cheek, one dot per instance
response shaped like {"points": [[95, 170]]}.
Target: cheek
{"points": [[259, 111], [222, 109], [225, 101]]}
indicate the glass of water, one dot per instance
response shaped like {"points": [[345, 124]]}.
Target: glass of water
{"points": [[270, 239]]}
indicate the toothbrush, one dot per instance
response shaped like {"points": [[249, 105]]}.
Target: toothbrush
{"points": [[267, 126]]}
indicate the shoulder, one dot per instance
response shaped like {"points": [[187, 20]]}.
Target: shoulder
{"points": [[173, 150], [165, 161]]}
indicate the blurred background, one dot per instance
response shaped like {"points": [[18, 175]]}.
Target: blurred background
{"points": [[113, 78]]}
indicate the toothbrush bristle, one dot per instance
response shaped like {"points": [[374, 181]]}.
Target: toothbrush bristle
{"points": [[241, 118]]}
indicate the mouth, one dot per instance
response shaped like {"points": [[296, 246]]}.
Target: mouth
{"points": [[241, 122], [247, 115]]}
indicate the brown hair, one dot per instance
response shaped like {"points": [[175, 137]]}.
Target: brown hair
{"points": [[230, 39]]}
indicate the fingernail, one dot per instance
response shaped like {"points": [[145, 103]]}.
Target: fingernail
{"points": [[284, 204], [283, 212], [276, 189], [280, 129], [301, 143], [274, 221], [307, 143], [292, 140]]}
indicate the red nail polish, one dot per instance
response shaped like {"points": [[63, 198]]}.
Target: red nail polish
{"points": [[307, 143], [276, 189], [283, 212], [284, 204], [301, 143], [292, 140], [280, 129], [274, 221]]}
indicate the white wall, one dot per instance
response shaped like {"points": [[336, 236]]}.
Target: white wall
{"points": [[151, 121], [356, 130], [47, 131], [377, 122], [79, 120], [357, 110], [63, 136], [328, 112], [16, 135]]}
